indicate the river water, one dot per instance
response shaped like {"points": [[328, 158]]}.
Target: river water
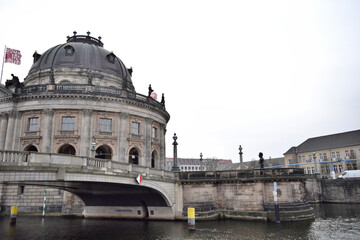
{"points": [[333, 221]]}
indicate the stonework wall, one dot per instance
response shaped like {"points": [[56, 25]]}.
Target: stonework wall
{"points": [[341, 190], [240, 196], [30, 199]]}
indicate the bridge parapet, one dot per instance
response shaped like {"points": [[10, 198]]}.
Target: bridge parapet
{"points": [[242, 175], [23, 158]]}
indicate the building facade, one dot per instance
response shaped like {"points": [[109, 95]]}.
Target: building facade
{"points": [[326, 154]]}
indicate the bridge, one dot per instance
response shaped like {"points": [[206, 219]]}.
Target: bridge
{"points": [[107, 188], [110, 189]]}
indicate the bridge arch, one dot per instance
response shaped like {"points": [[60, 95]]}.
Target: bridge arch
{"points": [[67, 149], [104, 152]]}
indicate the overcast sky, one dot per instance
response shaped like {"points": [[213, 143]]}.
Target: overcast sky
{"points": [[263, 74]]}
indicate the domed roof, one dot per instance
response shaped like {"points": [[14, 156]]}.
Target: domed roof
{"points": [[83, 52]]}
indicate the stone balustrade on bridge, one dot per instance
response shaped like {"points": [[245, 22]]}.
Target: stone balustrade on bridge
{"points": [[23, 158]]}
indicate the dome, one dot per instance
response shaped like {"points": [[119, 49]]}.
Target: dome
{"points": [[82, 53]]}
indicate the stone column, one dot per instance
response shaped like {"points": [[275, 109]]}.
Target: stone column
{"points": [[162, 157], [10, 131], [86, 133], [16, 141], [123, 137], [147, 149], [46, 131], [3, 126]]}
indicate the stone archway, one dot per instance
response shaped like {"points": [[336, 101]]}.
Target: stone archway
{"points": [[67, 149], [103, 152], [154, 157], [31, 148], [134, 156]]}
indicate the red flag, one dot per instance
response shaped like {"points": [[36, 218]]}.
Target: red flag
{"points": [[13, 56], [153, 95]]}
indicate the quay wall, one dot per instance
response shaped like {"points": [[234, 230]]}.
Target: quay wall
{"points": [[333, 190]]}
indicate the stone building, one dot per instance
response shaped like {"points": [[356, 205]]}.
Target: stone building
{"points": [[78, 98], [332, 153]]}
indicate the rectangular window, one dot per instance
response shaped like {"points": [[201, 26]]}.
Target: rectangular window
{"points": [[135, 128], [154, 132], [322, 170], [352, 153], [320, 156], [354, 166], [327, 169], [347, 154], [348, 166], [335, 168], [310, 158], [312, 170], [333, 156], [105, 125], [299, 159], [308, 170], [303, 158], [68, 124], [21, 190], [337, 155], [340, 168], [289, 161], [325, 156], [33, 125]]}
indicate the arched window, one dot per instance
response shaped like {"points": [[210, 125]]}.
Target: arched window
{"points": [[134, 156], [153, 159], [31, 148], [103, 152], [67, 149]]}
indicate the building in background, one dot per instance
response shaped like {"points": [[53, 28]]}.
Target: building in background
{"points": [[194, 164], [332, 153]]}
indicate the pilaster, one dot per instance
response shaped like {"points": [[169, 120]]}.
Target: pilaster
{"points": [[86, 133], [3, 127], [123, 136], [10, 130], [47, 131]]}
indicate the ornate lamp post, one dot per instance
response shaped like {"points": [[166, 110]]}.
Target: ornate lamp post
{"points": [[175, 168], [93, 144], [314, 157], [241, 157], [201, 162]]}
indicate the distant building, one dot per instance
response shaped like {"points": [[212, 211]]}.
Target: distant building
{"points": [[336, 152], [193, 164], [271, 162]]}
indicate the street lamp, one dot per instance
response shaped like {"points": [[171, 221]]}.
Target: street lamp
{"points": [[175, 168], [93, 144], [241, 157], [201, 162], [314, 157]]}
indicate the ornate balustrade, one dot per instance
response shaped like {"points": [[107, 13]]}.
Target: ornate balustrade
{"points": [[23, 158]]}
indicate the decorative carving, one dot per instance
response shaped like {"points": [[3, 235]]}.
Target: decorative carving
{"points": [[67, 139], [49, 111], [101, 140], [88, 112], [31, 140]]}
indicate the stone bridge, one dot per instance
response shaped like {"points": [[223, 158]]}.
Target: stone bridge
{"points": [[108, 188]]}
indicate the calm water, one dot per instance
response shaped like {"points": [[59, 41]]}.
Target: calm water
{"points": [[332, 222]]}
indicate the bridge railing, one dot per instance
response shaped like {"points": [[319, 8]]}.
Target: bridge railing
{"points": [[13, 157], [51, 159], [242, 174]]}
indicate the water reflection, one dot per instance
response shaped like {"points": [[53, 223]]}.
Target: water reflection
{"points": [[332, 222]]}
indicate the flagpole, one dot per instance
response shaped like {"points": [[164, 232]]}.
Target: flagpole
{"points": [[2, 68]]}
